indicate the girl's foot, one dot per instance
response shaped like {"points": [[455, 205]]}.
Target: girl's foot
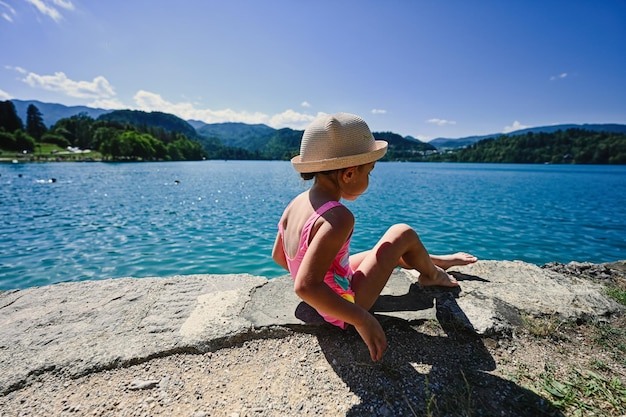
{"points": [[448, 261], [441, 278]]}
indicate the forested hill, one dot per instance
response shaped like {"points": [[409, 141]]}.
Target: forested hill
{"points": [[446, 143], [263, 142], [578, 146], [403, 148], [159, 120], [239, 135]]}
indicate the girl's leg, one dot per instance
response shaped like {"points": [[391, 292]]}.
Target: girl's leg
{"points": [[448, 261], [442, 261], [399, 246], [357, 258]]}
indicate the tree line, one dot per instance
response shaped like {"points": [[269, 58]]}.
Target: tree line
{"points": [[134, 135], [570, 146], [115, 140]]}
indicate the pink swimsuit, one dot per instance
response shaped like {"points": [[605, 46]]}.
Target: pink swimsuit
{"points": [[339, 276]]}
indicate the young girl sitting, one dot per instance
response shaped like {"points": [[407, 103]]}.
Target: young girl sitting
{"points": [[338, 152]]}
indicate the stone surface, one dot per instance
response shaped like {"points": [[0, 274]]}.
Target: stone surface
{"points": [[77, 328]]}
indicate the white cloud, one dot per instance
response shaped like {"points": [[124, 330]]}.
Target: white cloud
{"points": [[379, 111], [558, 77], [67, 5], [108, 104], [18, 69], [148, 101], [47, 9], [305, 104], [290, 118], [98, 88], [516, 126], [4, 95], [7, 15], [103, 95], [441, 122], [8, 6]]}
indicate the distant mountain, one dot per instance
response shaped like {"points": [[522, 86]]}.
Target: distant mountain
{"points": [[197, 124], [52, 112], [446, 143], [285, 143], [397, 143], [155, 119], [607, 127]]}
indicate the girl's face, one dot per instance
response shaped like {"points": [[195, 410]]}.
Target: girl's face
{"points": [[357, 181]]}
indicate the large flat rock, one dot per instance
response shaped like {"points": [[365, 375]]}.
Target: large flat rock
{"points": [[81, 327], [77, 328]]}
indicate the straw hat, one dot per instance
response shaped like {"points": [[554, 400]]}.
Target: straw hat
{"points": [[337, 141]]}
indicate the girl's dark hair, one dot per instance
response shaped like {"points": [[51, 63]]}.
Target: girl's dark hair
{"points": [[310, 175]]}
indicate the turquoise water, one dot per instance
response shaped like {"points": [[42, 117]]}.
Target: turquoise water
{"points": [[105, 220]]}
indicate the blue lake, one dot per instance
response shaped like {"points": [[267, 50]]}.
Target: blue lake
{"points": [[106, 220]]}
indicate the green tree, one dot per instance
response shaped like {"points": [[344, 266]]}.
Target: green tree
{"points": [[78, 130], [185, 149], [35, 126], [9, 120], [174, 153], [23, 141], [129, 144], [55, 139], [7, 140], [104, 135]]}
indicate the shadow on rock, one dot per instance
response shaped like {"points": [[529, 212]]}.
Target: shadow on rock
{"points": [[425, 374], [432, 367], [417, 298]]}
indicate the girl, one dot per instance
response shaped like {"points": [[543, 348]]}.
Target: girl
{"points": [[338, 152]]}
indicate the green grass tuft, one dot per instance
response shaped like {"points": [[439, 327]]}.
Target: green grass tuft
{"points": [[585, 392], [617, 293]]}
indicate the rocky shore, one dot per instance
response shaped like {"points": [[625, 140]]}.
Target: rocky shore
{"points": [[241, 345]]}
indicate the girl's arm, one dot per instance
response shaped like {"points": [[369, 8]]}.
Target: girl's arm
{"points": [[309, 284], [278, 254]]}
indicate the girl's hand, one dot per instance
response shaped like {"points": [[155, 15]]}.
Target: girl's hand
{"points": [[374, 337]]}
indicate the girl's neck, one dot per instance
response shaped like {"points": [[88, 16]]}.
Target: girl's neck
{"points": [[324, 189]]}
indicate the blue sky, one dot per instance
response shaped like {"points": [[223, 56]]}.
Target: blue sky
{"points": [[422, 68]]}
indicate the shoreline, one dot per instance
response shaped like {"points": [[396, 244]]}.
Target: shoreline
{"points": [[89, 159]]}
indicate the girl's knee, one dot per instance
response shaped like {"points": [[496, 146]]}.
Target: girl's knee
{"points": [[401, 233], [401, 229]]}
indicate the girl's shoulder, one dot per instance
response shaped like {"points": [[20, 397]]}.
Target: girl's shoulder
{"points": [[335, 211], [334, 225]]}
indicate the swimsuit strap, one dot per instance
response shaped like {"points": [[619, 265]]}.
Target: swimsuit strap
{"points": [[327, 206], [306, 230]]}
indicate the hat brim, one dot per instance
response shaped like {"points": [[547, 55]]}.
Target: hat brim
{"points": [[341, 162]]}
